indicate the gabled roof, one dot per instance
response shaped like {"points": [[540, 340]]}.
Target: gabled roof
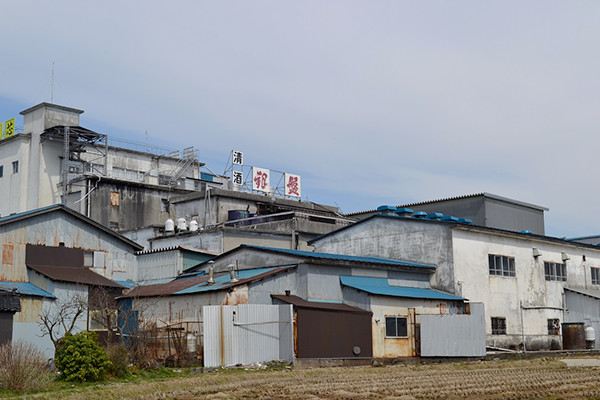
{"points": [[173, 248], [61, 208], [381, 286], [80, 275], [25, 288], [299, 302], [316, 257], [191, 284]]}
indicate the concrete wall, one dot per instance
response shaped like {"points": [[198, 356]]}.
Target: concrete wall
{"points": [[13, 187], [127, 206], [503, 295], [401, 239]]}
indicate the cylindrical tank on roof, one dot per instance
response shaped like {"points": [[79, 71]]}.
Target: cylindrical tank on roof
{"points": [[169, 225], [193, 225], [181, 224]]}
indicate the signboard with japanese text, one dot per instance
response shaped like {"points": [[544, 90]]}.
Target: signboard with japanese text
{"points": [[237, 157], [292, 185], [261, 179], [9, 128], [237, 177]]}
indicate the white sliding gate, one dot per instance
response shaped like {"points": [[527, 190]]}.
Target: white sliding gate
{"points": [[247, 333]]}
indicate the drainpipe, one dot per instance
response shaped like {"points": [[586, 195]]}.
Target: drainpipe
{"points": [[522, 327]]}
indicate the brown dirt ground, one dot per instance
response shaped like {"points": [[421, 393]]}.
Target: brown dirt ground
{"points": [[522, 379]]}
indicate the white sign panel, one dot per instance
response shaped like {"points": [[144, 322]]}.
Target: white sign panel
{"points": [[261, 179], [292, 185], [237, 177], [237, 157]]}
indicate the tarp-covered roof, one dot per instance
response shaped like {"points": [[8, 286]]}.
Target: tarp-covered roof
{"points": [[79, 275], [381, 286], [25, 288]]}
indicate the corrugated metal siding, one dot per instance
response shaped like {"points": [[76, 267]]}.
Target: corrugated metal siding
{"points": [[582, 308], [247, 333], [458, 335]]}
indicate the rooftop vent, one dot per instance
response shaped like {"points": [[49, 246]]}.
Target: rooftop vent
{"points": [[449, 218], [436, 216], [420, 214], [402, 211], [525, 231], [465, 221], [386, 210]]}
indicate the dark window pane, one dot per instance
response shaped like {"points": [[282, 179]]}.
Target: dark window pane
{"points": [[402, 328], [390, 326]]}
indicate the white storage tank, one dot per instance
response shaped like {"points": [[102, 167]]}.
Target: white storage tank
{"points": [[193, 226], [181, 224], [169, 226], [590, 337]]}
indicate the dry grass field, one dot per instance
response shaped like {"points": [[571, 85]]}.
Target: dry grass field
{"points": [[540, 378]]}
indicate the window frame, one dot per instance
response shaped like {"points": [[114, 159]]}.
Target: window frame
{"points": [[595, 279], [553, 327], [15, 167], [498, 325], [554, 271], [499, 265], [396, 318]]}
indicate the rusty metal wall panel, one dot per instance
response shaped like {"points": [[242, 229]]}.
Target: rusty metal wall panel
{"points": [[56, 256], [456, 335], [246, 333], [333, 334]]}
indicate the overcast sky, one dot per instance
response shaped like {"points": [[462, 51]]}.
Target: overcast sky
{"points": [[371, 102]]}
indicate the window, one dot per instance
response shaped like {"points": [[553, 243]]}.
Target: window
{"points": [[1, 170], [501, 265], [498, 326], [396, 327], [164, 205], [555, 271], [15, 165], [595, 276], [554, 326], [88, 259]]}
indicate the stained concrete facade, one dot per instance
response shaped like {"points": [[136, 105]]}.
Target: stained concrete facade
{"points": [[461, 252]]}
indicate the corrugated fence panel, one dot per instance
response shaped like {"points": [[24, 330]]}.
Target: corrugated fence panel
{"points": [[247, 333], [459, 335]]}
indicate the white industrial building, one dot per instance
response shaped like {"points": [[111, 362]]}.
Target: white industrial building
{"points": [[530, 284]]}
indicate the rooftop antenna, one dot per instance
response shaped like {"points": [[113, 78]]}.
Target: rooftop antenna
{"points": [[52, 85]]}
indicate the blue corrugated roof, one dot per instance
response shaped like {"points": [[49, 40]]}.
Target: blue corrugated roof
{"points": [[224, 281], [25, 288], [381, 286], [29, 212], [343, 257]]}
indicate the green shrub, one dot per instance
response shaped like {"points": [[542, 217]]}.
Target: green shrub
{"points": [[23, 367], [80, 358], [119, 358]]}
